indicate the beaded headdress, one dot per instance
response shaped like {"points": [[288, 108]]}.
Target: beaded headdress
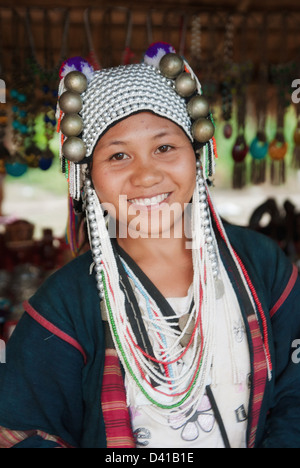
{"points": [[91, 102]]}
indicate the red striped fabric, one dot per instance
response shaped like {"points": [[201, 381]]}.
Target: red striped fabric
{"points": [[259, 377], [9, 438], [53, 329], [113, 398], [286, 292]]}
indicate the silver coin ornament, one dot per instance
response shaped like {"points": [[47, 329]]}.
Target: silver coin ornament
{"points": [[76, 81], [74, 149], [70, 102], [171, 65], [71, 125], [185, 85], [186, 338], [197, 107], [189, 331], [203, 130]]}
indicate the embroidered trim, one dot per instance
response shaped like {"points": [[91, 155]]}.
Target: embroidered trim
{"points": [[53, 329], [259, 378], [10, 438], [113, 399], [286, 292]]}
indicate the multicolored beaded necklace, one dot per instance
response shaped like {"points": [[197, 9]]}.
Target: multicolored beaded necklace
{"points": [[152, 374]]}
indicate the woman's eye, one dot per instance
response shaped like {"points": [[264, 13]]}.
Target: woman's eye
{"points": [[164, 148], [118, 157]]}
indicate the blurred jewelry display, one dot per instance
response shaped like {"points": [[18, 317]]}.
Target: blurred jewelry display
{"points": [[259, 146], [213, 44], [296, 152], [45, 78]]}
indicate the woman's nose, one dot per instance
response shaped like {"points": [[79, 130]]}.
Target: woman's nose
{"points": [[146, 174]]}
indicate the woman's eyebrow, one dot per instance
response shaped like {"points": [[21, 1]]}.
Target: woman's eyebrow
{"points": [[125, 142], [161, 134], [114, 143]]}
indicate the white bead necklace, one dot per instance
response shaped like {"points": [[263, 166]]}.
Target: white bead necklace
{"points": [[189, 385]]}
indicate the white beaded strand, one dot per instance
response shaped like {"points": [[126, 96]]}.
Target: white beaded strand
{"points": [[94, 238]]}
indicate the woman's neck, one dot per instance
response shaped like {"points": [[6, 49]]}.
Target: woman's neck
{"points": [[167, 262]]}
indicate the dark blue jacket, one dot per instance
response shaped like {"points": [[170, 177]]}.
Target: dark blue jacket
{"points": [[51, 382]]}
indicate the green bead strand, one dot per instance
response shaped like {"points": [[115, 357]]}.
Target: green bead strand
{"points": [[159, 405]]}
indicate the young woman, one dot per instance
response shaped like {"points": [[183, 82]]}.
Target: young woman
{"points": [[175, 329]]}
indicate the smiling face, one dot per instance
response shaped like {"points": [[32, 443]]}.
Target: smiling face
{"points": [[144, 173]]}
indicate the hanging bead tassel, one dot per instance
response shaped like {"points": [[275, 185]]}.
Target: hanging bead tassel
{"points": [[258, 171], [277, 151], [239, 153], [259, 150], [296, 158], [93, 233], [209, 238], [71, 234], [296, 152], [278, 172]]}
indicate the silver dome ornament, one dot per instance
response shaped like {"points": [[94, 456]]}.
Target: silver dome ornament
{"points": [[71, 125], [197, 107], [171, 65], [70, 102], [74, 149], [185, 85], [203, 130], [76, 81]]}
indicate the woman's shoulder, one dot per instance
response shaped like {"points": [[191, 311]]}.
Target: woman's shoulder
{"points": [[249, 240], [73, 274], [262, 257], [69, 294]]}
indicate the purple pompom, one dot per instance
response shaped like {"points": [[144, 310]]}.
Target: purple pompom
{"points": [[156, 51], [76, 64]]}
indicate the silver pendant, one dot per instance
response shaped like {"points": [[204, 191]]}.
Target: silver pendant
{"points": [[189, 331], [219, 288]]}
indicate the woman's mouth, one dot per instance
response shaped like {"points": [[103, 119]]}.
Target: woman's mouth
{"points": [[149, 202]]}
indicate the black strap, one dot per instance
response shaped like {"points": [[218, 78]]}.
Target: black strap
{"points": [[152, 290], [218, 416]]}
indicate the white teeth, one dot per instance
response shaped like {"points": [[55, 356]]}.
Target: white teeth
{"points": [[149, 201]]}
